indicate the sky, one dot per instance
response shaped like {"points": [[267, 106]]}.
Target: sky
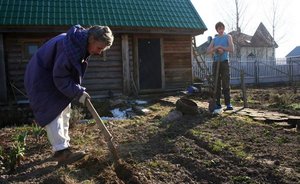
{"points": [[287, 28]]}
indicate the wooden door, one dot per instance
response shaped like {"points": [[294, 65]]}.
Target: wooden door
{"points": [[149, 58]]}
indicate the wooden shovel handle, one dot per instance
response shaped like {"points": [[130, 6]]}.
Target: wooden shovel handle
{"points": [[107, 134]]}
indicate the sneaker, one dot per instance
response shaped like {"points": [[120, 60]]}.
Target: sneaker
{"points": [[66, 156], [229, 107]]}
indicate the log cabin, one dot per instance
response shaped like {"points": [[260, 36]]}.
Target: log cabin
{"points": [[152, 51]]}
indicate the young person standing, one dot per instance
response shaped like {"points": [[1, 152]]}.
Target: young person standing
{"points": [[220, 47]]}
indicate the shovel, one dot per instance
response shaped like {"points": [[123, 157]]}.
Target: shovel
{"points": [[212, 102], [123, 171], [107, 135]]}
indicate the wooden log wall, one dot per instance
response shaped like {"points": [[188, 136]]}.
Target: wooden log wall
{"points": [[101, 77], [177, 61], [15, 67], [104, 76], [16, 62], [3, 89], [127, 62]]}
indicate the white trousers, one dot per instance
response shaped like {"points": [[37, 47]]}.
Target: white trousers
{"points": [[58, 130]]}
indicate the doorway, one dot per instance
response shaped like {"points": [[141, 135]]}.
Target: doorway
{"points": [[149, 59]]}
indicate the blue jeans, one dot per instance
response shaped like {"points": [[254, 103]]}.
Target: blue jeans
{"points": [[224, 79]]}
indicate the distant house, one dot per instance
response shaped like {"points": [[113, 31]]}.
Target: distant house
{"points": [[294, 55], [152, 49], [258, 46]]}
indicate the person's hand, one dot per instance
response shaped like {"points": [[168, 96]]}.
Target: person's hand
{"points": [[220, 51], [84, 97]]}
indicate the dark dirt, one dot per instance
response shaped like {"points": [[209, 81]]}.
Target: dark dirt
{"points": [[230, 148]]}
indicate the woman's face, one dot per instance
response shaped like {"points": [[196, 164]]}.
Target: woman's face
{"points": [[95, 47]]}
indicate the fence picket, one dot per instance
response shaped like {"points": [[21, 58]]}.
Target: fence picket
{"points": [[257, 72]]}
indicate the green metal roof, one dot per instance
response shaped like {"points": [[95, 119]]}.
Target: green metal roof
{"points": [[123, 13]]}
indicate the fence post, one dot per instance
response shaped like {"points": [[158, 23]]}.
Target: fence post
{"points": [[243, 86], [256, 73], [290, 71]]}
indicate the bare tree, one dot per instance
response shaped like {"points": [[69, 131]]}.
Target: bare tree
{"points": [[236, 21], [236, 13], [274, 17]]}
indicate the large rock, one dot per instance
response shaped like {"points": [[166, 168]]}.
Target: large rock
{"points": [[187, 106]]}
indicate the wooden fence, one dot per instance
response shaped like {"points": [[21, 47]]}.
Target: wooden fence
{"points": [[256, 72]]}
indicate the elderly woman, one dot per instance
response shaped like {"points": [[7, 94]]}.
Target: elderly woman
{"points": [[53, 79]]}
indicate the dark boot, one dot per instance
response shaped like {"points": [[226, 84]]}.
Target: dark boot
{"points": [[66, 156]]}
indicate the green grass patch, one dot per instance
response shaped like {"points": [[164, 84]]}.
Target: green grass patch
{"points": [[24, 128], [282, 140], [153, 164], [162, 165], [84, 138], [294, 106], [217, 122], [197, 132], [218, 146], [152, 130], [242, 180], [207, 137], [211, 163], [238, 151]]}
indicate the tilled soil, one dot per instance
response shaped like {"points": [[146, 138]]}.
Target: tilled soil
{"points": [[229, 148]]}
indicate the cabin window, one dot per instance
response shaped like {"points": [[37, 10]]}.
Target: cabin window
{"points": [[29, 48]]}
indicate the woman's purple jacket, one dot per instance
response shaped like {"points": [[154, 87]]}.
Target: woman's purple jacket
{"points": [[53, 75]]}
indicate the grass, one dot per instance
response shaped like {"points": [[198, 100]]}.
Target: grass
{"points": [[242, 179], [239, 151], [197, 132], [85, 136], [211, 163], [152, 130], [187, 149], [294, 106], [162, 165], [24, 128], [205, 136], [218, 145], [79, 140], [233, 120], [252, 100], [217, 122], [283, 100], [269, 134], [282, 140], [153, 164]]}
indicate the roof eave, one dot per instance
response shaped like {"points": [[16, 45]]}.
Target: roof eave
{"points": [[296, 56], [63, 28], [159, 30]]}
